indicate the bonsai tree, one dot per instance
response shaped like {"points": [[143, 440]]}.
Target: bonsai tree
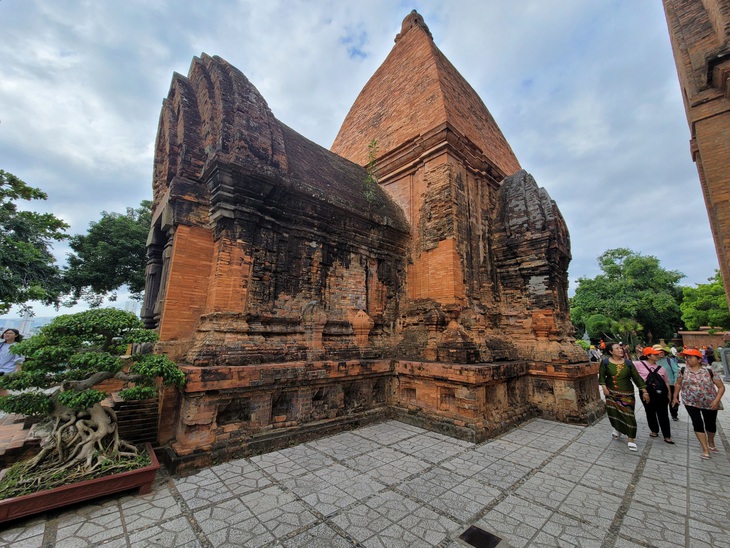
{"points": [[63, 364]]}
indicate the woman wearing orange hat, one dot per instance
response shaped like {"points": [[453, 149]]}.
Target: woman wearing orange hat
{"points": [[657, 383], [701, 393], [615, 376]]}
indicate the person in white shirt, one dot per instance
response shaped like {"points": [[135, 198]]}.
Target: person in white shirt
{"points": [[9, 362]]}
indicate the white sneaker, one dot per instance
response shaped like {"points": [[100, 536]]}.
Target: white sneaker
{"points": [[615, 434]]}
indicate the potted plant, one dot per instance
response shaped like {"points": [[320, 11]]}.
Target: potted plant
{"points": [[59, 382]]}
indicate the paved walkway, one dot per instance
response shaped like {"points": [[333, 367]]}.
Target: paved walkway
{"points": [[392, 485]]}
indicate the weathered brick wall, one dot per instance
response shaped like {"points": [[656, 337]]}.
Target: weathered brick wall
{"points": [[700, 36], [698, 339], [276, 249], [228, 412], [231, 277], [187, 285]]}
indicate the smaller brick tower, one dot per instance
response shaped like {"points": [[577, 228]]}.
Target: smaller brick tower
{"points": [[700, 35]]}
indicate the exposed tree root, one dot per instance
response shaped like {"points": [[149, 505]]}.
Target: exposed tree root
{"points": [[84, 441]]}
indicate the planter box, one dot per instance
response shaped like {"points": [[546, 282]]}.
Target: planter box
{"points": [[58, 497]]}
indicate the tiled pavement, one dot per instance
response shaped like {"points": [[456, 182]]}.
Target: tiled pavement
{"points": [[392, 485]]}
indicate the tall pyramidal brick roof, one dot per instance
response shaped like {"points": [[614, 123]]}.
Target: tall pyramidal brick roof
{"points": [[415, 90]]}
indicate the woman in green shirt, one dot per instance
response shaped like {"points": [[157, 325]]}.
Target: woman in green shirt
{"points": [[616, 376]]}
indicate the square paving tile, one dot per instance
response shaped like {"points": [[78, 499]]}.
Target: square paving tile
{"points": [[423, 488], [521, 436], [607, 480], [345, 446], [307, 457], [666, 470], [717, 467], [531, 457], [319, 536], [618, 456], [546, 490], [279, 467], [202, 488], [286, 518], [563, 531], [329, 501], [718, 464], [427, 447], [421, 528], [361, 521], [497, 449], [582, 452], [395, 536], [708, 507], [502, 474], [392, 474], [392, 505], [176, 533], [141, 511], [358, 484], [661, 494], [706, 535], [468, 464], [465, 501], [231, 523], [27, 533], [390, 432], [591, 505], [566, 467], [86, 528], [654, 526], [515, 520], [552, 441]]}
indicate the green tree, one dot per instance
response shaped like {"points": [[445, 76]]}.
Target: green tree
{"points": [[633, 299], [110, 255], [27, 267], [706, 304], [70, 356]]}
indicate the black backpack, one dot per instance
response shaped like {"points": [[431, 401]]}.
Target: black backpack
{"points": [[654, 382]]}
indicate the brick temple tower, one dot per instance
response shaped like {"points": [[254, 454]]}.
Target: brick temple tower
{"points": [[413, 271], [700, 35], [442, 158]]}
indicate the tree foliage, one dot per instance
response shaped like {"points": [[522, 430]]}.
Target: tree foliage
{"points": [[706, 304], [27, 267], [633, 299], [110, 255], [63, 365]]}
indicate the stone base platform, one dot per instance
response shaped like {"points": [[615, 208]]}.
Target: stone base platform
{"points": [[233, 412]]}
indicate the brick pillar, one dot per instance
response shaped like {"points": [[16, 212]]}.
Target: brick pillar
{"points": [[188, 282]]}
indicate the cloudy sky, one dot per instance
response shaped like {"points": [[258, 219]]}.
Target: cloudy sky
{"points": [[586, 92]]}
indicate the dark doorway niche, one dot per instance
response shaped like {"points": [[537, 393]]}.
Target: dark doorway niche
{"points": [[238, 410]]}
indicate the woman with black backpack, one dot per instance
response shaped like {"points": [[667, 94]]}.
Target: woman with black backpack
{"points": [[657, 384]]}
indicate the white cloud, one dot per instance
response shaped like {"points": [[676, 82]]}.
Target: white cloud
{"points": [[586, 93]]}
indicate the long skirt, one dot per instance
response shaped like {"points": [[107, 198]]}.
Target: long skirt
{"points": [[620, 411]]}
